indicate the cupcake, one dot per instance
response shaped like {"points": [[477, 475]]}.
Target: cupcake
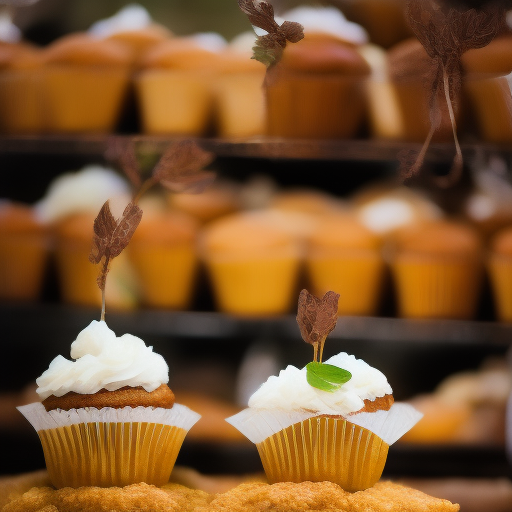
{"points": [[108, 418], [317, 88], [68, 209], [409, 68], [85, 84], [174, 86], [239, 96], [488, 89], [253, 264], [21, 89], [499, 266], [345, 256], [24, 251], [437, 270], [163, 253], [331, 421]]}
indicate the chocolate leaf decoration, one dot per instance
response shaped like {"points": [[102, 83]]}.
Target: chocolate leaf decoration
{"points": [[269, 48], [110, 237], [317, 318], [326, 377], [121, 151], [446, 32], [179, 168]]}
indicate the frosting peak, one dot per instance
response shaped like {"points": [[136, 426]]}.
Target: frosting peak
{"points": [[103, 361], [290, 390]]}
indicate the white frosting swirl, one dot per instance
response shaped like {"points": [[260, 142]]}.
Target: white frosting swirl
{"points": [[103, 361], [290, 390], [130, 17]]}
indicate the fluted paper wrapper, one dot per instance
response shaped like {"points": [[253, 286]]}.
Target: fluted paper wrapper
{"points": [[110, 447], [304, 446]]}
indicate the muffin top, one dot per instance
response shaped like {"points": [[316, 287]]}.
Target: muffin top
{"points": [[408, 60], [18, 218], [81, 49], [494, 59], [20, 56], [437, 237], [324, 55], [165, 227], [290, 390], [246, 233], [343, 232], [103, 361]]}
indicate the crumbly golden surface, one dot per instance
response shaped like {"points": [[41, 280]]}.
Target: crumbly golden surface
{"points": [[325, 496], [132, 498], [14, 486]]}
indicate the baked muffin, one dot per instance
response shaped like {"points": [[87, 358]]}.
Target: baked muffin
{"points": [[24, 251], [21, 89], [488, 90], [344, 256], [437, 270], [239, 97], [163, 253], [316, 90], [174, 87], [85, 83], [410, 68], [499, 266], [308, 426], [253, 264], [106, 417]]}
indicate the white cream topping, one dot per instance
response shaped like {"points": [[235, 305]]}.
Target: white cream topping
{"points": [[103, 361], [210, 41], [327, 20], [78, 192], [9, 32], [131, 17], [290, 390]]}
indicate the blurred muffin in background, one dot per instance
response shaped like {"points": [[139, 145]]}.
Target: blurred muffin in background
{"points": [[132, 26], [163, 253], [383, 207], [21, 89], [488, 88], [24, 251], [239, 96], [253, 264], [437, 270], [499, 265], [306, 200], [410, 68], [316, 91], [69, 208], [174, 87], [85, 83], [344, 256], [221, 198]]}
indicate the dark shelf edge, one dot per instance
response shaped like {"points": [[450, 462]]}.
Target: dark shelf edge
{"points": [[212, 325]]}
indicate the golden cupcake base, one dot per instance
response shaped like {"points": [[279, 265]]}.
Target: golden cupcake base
{"points": [[324, 449], [111, 454]]}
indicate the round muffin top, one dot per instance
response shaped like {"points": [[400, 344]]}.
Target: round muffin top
{"points": [[81, 49], [246, 233], [315, 54], [20, 56], [18, 218], [408, 60], [437, 237], [493, 59], [343, 232], [165, 228]]}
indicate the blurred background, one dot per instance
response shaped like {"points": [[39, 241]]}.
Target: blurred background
{"points": [[310, 192]]}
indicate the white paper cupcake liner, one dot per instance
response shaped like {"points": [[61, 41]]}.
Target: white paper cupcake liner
{"points": [[178, 416], [259, 424]]}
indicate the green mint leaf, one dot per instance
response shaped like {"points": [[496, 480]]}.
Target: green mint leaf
{"points": [[326, 377]]}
